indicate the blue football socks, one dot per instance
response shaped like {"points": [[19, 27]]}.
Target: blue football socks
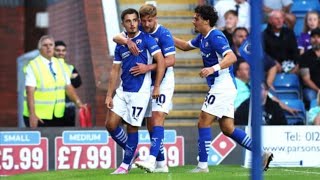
{"points": [[130, 147], [204, 143], [242, 138], [119, 136]]}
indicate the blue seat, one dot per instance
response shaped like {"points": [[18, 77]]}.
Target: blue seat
{"points": [[298, 104], [303, 6], [287, 86], [298, 26], [313, 103]]}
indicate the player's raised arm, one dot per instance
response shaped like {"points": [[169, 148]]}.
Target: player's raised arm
{"points": [[121, 39], [182, 44]]}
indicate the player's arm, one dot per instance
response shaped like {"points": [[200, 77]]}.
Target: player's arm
{"points": [[182, 44], [114, 74], [121, 39], [161, 66], [305, 74], [141, 68], [227, 61]]}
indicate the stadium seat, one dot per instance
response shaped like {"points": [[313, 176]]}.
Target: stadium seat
{"points": [[303, 6], [298, 26], [287, 86], [313, 103], [298, 104]]}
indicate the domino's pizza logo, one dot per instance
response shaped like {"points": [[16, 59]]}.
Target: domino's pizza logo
{"points": [[219, 149]]}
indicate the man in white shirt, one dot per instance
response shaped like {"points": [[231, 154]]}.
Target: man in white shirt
{"points": [[46, 85], [241, 6], [283, 5]]}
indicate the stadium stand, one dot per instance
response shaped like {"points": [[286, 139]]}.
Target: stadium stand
{"points": [[287, 86], [300, 8], [300, 118]]}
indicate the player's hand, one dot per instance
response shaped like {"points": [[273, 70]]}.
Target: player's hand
{"points": [[109, 102], [205, 72], [133, 47], [140, 68], [156, 92], [34, 120]]}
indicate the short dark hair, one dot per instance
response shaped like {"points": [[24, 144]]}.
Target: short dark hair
{"points": [[240, 29], [129, 11], [315, 32], [232, 12], [60, 43], [237, 65], [207, 13]]}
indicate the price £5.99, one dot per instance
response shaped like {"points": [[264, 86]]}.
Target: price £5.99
{"points": [[25, 158]]}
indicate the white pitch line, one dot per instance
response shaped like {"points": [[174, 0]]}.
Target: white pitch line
{"points": [[303, 172]]}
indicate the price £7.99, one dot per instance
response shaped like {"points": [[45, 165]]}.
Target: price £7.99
{"points": [[21, 158], [83, 157]]}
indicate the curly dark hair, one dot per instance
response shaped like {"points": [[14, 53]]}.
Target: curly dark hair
{"points": [[207, 13]]}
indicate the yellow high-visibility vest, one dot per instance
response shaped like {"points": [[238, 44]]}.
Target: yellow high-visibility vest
{"points": [[49, 96], [68, 67]]}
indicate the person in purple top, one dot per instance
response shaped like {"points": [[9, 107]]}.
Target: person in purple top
{"points": [[311, 21]]}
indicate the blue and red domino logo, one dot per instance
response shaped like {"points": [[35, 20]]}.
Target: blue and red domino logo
{"points": [[219, 149]]}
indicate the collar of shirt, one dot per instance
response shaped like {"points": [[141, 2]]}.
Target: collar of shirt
{"points": [[47, 61]]}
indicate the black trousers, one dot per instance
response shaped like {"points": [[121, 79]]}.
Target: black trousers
{"points": [[47, 123]]}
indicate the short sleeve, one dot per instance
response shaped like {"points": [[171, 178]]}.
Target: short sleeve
{"points": [[195, 42], [167, 44], [152, 45], [30, 79], [220, 43], [117, 57]]}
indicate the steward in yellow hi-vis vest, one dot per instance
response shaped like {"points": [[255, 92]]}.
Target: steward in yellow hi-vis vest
{"points": [[49, 97], [47, 83]]}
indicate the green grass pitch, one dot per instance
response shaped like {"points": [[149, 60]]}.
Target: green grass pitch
{"points": [[225, 172]]}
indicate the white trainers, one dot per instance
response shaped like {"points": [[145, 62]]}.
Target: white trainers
{"points": [[267, 157], [200, 170], [146, 165], [163, 169]]}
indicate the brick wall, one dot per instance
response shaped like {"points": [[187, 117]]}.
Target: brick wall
{"points": [[11, 46], [80, 24]]}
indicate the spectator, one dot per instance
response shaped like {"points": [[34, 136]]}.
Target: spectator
{"points": [[310, 68], [46, 87], [60, 51], [240, 34], [282, 5], [280, 43], [242, 73], [231, 19], [311, 21], [242, 7], [272, 113]]}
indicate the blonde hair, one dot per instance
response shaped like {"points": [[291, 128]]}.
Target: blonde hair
{"points": [[305, 21], [148, 10], [44, 37]]}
